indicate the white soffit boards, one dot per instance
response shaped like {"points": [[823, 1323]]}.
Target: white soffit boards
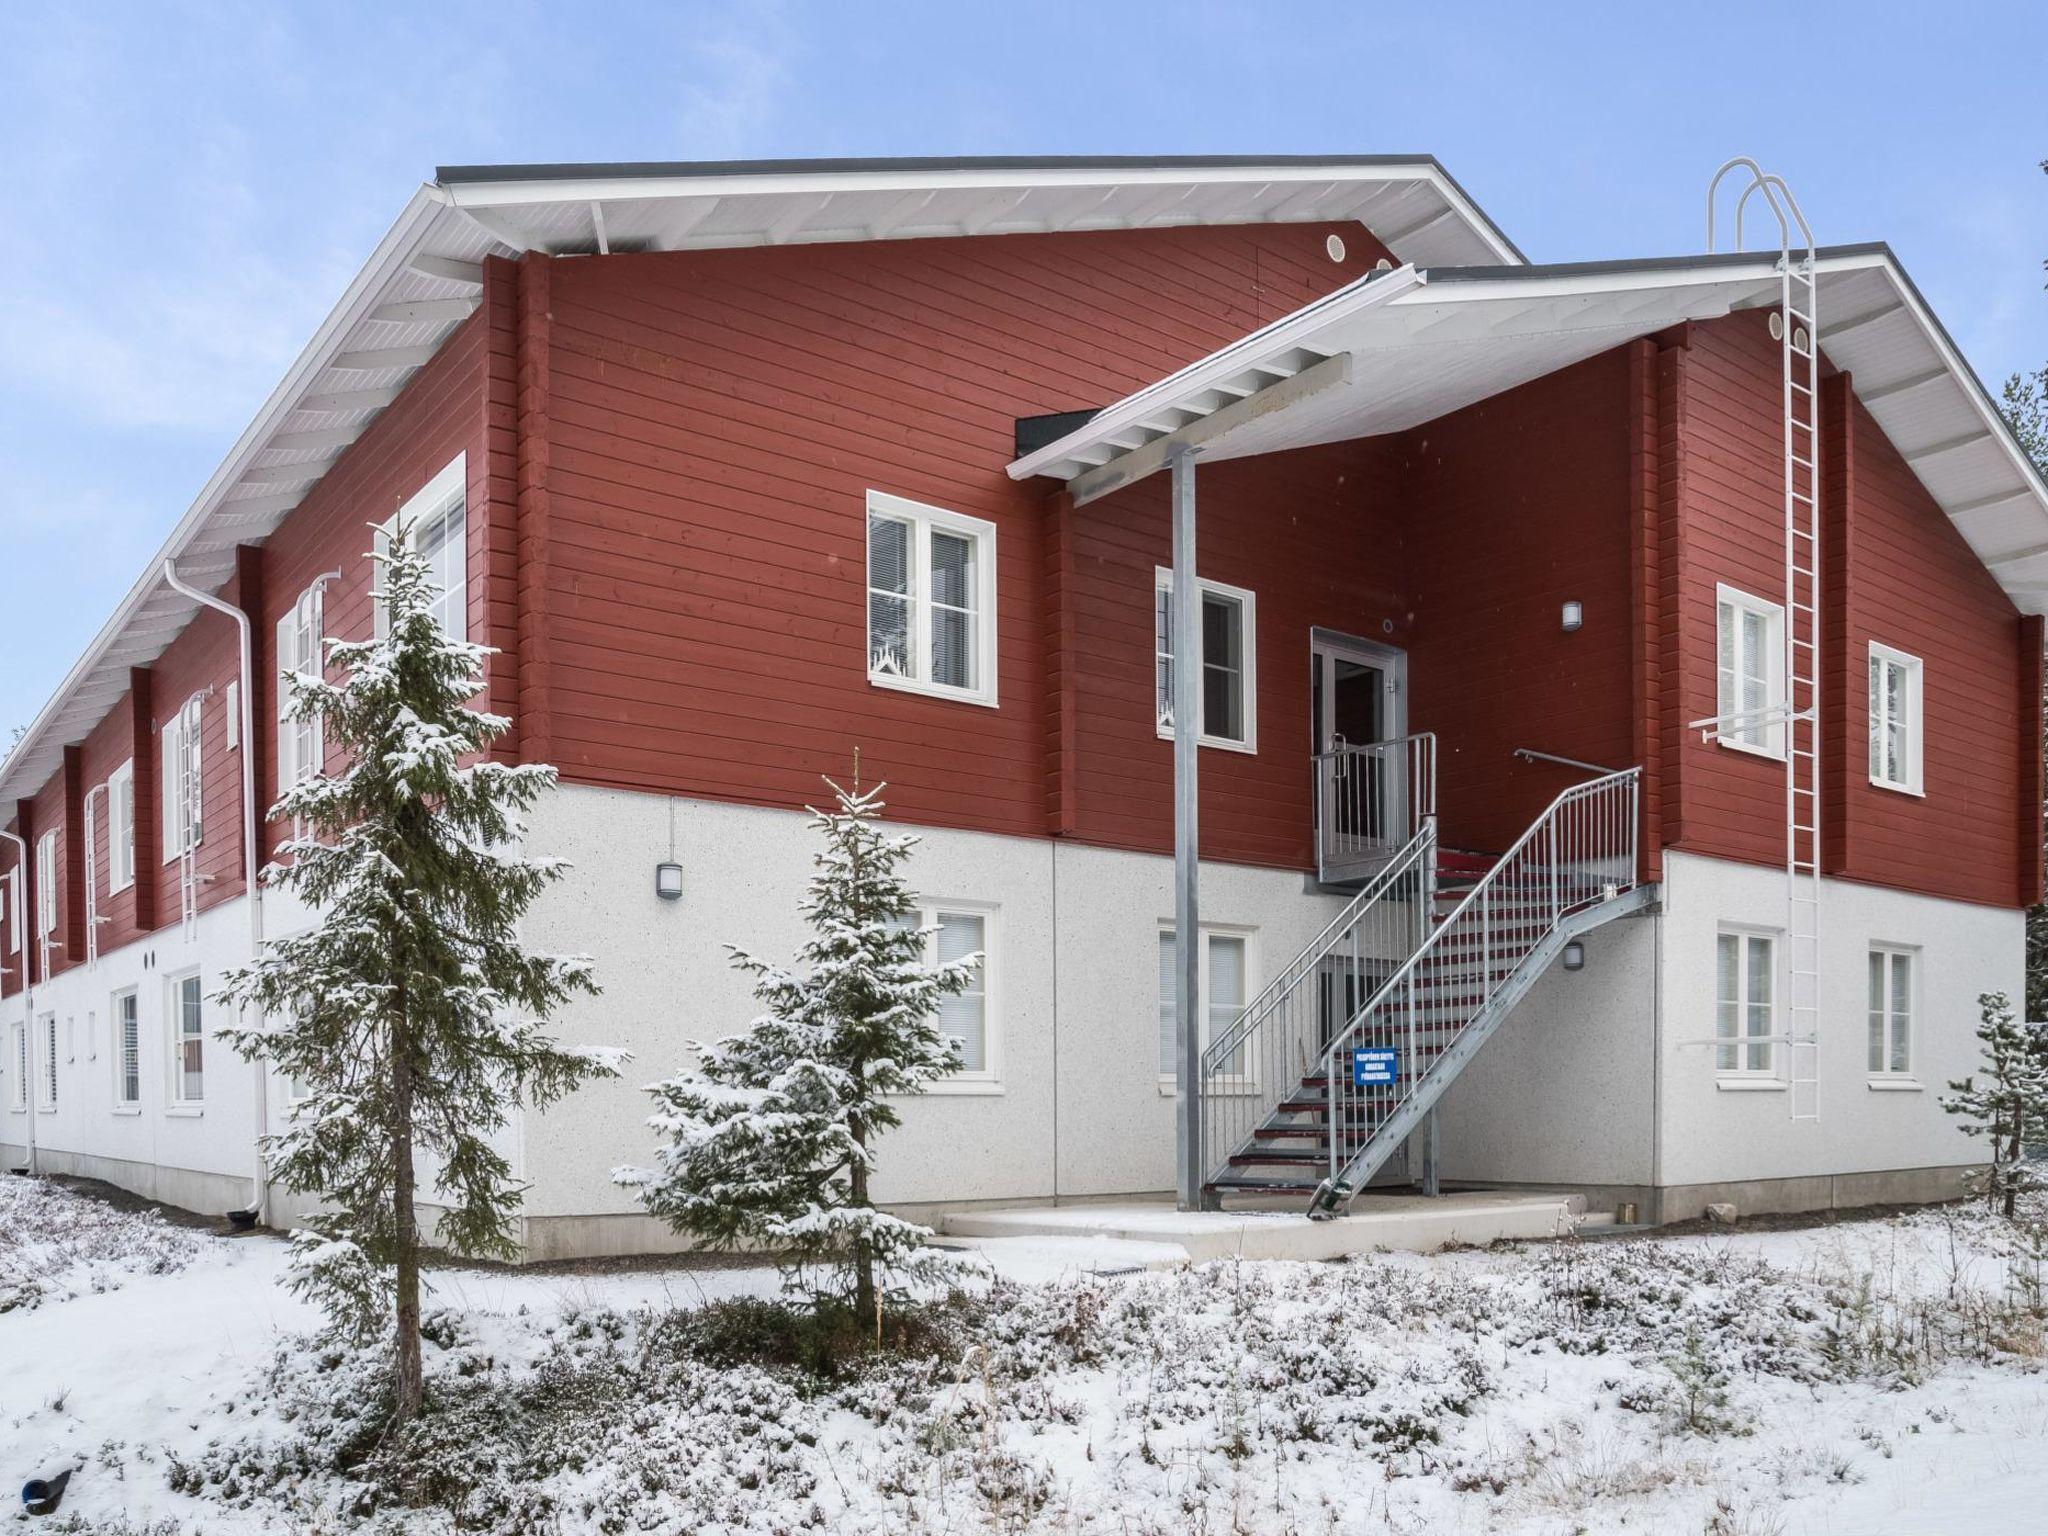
{"points": [[1418, 344]]}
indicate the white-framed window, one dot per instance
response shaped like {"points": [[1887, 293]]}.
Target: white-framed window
{"points": [[181, 741], [1226, 965], [1229, 692], [953, 931], [16, 930], [1749, 670], [437, 525], [46, 1036], [126, 1027], [46, 885], [1893, 979], [300, 745], [185, 1012], [931, 600], [1745, 1003], [1895, 732], [121, 828], [17, 1057]]}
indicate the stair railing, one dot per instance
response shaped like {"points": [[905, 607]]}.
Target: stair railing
{"points": [[1277, 1039], [1371, 798], [1578, 854]]}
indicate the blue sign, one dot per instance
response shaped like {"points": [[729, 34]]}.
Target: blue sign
{"points": [[1375, 1066]]}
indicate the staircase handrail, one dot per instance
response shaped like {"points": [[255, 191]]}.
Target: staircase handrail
{"points": [[1339, 1041], [1412, 855]]}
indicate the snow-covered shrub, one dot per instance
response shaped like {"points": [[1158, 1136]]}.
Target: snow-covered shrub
{"points": [[56, 1243]]}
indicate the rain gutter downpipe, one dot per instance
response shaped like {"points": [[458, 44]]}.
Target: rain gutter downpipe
{"points": [[260, 1177], [19, 914]]}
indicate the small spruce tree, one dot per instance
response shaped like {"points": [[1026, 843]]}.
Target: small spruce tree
{"points": [[2009, 1107], [410, 1016], [770, 1139]]}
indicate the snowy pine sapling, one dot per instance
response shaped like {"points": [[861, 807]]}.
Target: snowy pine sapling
{"points": [[771, 1139], [2009, 1107], [410, 1017]]}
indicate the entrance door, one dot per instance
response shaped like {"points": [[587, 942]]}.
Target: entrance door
{"points": [[1361, 794]]}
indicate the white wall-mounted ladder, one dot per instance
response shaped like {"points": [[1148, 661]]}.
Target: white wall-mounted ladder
{"points": [[1796, 327]]}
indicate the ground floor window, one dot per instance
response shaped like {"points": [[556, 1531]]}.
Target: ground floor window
{"points": [[127, 1052], [1225, 963], [49, 1044], [953, 931], [188, 1042], [18, 1056], [1891, 1011], [1745, 1003]]}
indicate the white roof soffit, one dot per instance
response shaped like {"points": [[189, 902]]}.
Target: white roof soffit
{"points": [[1409, 201], [1400, 348], [425, 277]]}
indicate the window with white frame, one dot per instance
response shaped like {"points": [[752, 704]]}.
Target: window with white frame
{"points": [[127, 1049], [1749, 661], [17, 1058], [1225, 973], [188, 1041], [931, 600], [955, 931], [1745, 1004], [46, 885], [300, 747], [436, 525], [183, 793], [1895, 732], [121, 828], [15, 928], [46, 1037], [1890, 1015], [1228, 694]]}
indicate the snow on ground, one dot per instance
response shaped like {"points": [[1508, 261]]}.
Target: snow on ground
{"points": [[1882, 1376]]}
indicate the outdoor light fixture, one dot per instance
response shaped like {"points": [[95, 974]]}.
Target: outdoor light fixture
{"points": [[1574, 616], [1575, 956], [668, 881]]}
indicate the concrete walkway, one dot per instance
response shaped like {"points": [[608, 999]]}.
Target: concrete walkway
{"points": [[1153, 1234]]}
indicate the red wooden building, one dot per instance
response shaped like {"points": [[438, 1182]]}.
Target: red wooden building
{"points": [[1574, 682]]}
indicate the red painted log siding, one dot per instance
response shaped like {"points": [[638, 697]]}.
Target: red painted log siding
{"points": [[441, 414], [1512, 507], [1904, 577], [1315, 535], [714, 421]]}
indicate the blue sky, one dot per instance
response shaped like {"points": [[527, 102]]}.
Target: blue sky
{"points": [[190, 187]]}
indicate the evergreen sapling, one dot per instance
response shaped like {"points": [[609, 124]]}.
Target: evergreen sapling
{"points": [[2008, 1105]]}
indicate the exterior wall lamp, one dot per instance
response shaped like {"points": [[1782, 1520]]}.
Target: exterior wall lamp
{"points": [[1575, 956], [668, 881], [1574, 616]]}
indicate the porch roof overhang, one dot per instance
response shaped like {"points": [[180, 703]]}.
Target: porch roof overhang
{"points": [[1400, 348], [426, 277]]}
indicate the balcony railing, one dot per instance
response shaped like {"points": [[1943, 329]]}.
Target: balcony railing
{"points": [[1371, 800]]}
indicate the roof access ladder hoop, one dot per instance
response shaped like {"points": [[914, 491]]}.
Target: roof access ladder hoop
{"points": [[1795, 326]]}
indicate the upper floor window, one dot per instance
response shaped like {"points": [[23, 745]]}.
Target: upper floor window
{"points": [[1745, 1003], [121, 828], [183, 792], [1749, 660], [436, 525], [1894, 719], [1891, 1011], [46, 885], [1229, 662], [931, 600], [299, 744]]}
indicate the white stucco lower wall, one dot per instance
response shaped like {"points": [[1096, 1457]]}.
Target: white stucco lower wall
{"points": [[1713, 1131], [1078, 1109]]}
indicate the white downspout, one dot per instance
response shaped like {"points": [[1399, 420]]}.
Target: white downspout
{"points": [[28, 990], [260, 1179]]}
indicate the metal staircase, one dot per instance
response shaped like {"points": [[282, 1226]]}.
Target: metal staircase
{"points": [[1362, 1034]]}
